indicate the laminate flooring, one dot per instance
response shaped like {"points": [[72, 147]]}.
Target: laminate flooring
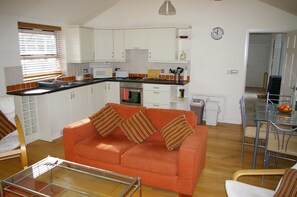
{"points": [[222, 160]]}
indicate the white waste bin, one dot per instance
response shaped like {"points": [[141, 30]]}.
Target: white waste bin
{"points": [[212, 110]]}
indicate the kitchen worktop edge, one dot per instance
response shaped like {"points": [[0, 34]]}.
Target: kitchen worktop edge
{"points": [[32, 92]]}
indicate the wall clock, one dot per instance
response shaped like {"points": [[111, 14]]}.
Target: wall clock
{"points": [[217, 33]]}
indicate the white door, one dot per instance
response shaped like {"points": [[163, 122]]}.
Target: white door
{"points": [[289, 76], [257, 64], [112, 92], [79, 103], [97, 98], [103, 45]]}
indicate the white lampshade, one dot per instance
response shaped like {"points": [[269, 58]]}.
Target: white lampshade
{"points": [[167, 8]]}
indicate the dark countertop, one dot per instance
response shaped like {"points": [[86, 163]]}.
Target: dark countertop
{"points": [[46, 90]]}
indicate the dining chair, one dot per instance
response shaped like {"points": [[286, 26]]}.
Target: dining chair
{"points": [[249, 132], [279, 99], [13, 145], [281, 141], [286, 186]]}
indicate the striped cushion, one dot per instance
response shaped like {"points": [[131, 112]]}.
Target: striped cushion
{"points": [[176, 131], [6, 126], [106, 120], [288, 186], [138, 127]]}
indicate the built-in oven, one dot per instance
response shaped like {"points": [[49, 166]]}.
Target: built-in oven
{"points": [[131, 93]]}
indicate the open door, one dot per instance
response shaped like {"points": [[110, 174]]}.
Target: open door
{"points": [[289, 75]]}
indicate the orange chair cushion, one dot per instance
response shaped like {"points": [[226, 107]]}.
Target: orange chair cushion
{"points": [[105, 149], [6, 127], [106, 120], [138, 127], [176, 131], [151, 157], [288, 186]]}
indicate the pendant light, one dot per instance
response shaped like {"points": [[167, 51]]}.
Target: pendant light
{"points": [[167, 8]]}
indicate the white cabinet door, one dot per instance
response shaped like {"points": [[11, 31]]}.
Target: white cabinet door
{"points": [[79, 103], [136, 39], [162, 44], [79, 45], [103, 45], [112, 92], [97, 97], [119, 54], [54, 111]]}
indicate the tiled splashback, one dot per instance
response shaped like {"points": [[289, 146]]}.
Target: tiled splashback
{"points": [[136, 63]]}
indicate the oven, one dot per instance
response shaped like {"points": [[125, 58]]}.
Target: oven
{"points": [[131, 93]]}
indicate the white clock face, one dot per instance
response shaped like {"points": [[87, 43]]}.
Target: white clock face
{"points": [[217, 33]]}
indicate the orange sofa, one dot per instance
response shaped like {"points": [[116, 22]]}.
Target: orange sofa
{"points": [[177, 170]]}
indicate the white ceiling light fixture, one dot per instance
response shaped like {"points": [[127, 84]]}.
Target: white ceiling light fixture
{"points": [[167, 8]]}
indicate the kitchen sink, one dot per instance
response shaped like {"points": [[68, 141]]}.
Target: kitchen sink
{"points": [[56, 84]]}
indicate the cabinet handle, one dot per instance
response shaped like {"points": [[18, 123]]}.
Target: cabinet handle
{"points": [[156, 92], [155, 105], [123, 54], [156, 87]]}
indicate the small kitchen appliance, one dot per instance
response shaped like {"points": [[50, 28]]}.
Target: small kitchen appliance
{"points": [[122, 73], [101, 72]]}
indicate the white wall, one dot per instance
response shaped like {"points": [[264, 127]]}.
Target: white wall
{"points": [[210, 59]]}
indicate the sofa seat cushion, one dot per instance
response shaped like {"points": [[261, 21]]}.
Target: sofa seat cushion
{"points": [[151, 157], [104, 149]]}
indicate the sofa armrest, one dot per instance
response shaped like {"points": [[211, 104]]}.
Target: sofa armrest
{"points": [[76, 132], [191, 159]]}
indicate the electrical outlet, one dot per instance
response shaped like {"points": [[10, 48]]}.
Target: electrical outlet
{"points": [[162, 70]]}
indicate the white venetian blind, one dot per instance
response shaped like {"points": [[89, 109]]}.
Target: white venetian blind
{"points": [[40, 52]]}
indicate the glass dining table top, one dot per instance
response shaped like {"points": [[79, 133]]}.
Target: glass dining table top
{"points": [[262, 112]]}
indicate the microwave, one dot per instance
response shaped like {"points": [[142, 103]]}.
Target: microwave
{"points": [[101, 72]]}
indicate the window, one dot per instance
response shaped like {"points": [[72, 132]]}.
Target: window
{"points": [[40, 51]]}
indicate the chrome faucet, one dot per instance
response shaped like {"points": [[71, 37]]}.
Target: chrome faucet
{"points": [[57, 77]]}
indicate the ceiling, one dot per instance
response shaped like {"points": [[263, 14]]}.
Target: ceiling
{"points": [[69, 12], [285, 5], [78, 12]]}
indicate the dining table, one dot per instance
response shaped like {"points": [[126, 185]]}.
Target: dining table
{"points": [[262, 111]]}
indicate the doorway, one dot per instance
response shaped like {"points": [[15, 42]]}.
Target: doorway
{"points": [[265, 58]]}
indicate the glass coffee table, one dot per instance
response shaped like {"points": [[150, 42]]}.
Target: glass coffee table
{"points": [[56, 177]]}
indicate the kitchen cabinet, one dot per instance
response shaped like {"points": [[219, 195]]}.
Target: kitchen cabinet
{"points": [[112, 92], [56, 110], [79, 45], [119, 54], [136, 39], [165, 96], [162, 45], [103, 45], [184, 45], [156, 96], [79, 103], [97, 97]]}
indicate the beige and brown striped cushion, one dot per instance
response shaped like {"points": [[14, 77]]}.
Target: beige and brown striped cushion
{"points": [[6, 127], [176, 131], [288, 186], [138, 127], [106, 120]]}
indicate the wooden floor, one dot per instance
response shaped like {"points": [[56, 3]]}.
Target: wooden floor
{"points": [[222, 160]]}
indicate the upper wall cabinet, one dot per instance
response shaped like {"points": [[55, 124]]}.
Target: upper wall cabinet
{"points": [[79, 45], [119, 54], [136, 39], [184, 45], [103, 45], [162, 45]]}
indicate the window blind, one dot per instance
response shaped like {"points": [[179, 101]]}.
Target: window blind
{"points": [[40, 53]]}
